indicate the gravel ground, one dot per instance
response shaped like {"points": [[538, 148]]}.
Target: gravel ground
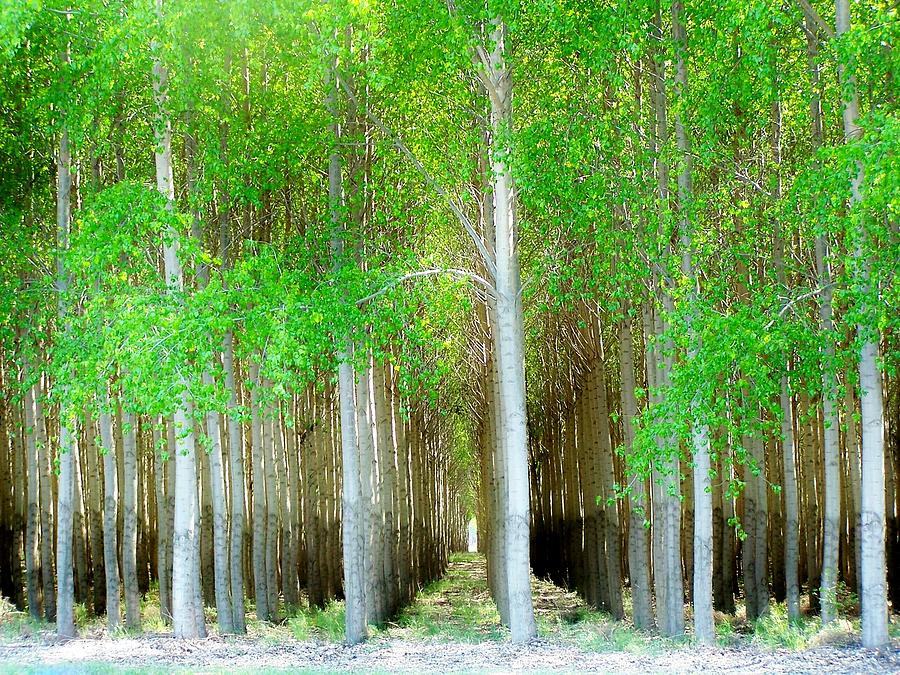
{"points": [[165, 654]]}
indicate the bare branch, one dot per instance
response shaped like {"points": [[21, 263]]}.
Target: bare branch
{"points": [[814, 16], [429, 273], [752, 183], [799, 298], [437, 187]]}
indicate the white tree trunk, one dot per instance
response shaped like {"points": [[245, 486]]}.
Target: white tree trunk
{"points": [[791, 506], [354, 535], [187, 616], [703, 539], [638, 543], [45, 470], [130, 522], [236, 486], [65, 589], [224, 613], [367, 465], [832, 452], [163, 562], [509, 336], [873, 572], [258, 478], [110, 518], [32, 519]]}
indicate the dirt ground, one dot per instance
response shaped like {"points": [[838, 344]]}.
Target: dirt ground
{"points": [[452, 628], [232, 655]]}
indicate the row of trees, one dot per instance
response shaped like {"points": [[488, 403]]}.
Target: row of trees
{"points": [[171, 407], [621, 279]]}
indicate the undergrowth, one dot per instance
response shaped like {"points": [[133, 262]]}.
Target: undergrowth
{"points": [[595, 631], [459, 607], [456, 607], [311, 623]]}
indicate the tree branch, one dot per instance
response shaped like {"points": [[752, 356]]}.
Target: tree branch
{"points": [[429, 179], [429, 273], [814, 16], [799, 298]]}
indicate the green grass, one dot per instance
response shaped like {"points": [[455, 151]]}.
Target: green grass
{"points": [[457, 607], [595, 631], [894, 626], [327, 623], [774, 630]]}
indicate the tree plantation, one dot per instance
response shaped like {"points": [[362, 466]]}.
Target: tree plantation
{"points": [[290, 292]]}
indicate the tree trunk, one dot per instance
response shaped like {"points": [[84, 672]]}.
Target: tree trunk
{"points": [[510, 350], [82, 586], [130, 522], [387, 465], [854, 479], [291, 505], [45, 472], [32, 520], [236, 473], [270, 430], [791, 506], [188, 620], [313, 450], [611, 532], [224, 611], [638, 543], [110, 518], [94, 494], [832, 451], [703, 548], [260, 577], [367, 483], [874, 583], [163, 564], [65, 599], [353, 526], [207, 545]]}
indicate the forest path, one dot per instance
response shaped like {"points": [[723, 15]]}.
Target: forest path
{"points": [[452, 627]]}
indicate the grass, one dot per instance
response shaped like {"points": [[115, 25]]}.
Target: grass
{"points": [[457, 607], [595, 631], [774, 630], [15, 624], [327, 623], [894, 628]]}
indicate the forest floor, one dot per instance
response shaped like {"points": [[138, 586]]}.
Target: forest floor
{"points": [[452, 627]]}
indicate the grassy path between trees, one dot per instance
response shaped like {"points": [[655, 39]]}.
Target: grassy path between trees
{"points": [[453, 627]]}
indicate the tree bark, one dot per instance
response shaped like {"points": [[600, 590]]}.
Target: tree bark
{"points": [[873, 581], [163, 564], [510, 348], [187, 616], [367, 483], [236, 486], [387, 465], [32, 520], [130, 522], [260, 577], [703, 545], [224, 610], [638, 543], [45, 472], [353, 525], [110, 518], [65, 599]]}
